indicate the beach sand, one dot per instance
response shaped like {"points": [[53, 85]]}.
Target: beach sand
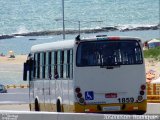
{"points": [[19, 59]]}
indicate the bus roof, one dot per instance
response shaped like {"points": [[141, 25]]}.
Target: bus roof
{"points": [[105, 37], [65, 44]]}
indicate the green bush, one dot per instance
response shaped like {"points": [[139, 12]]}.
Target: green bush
{"points": [[152, 53]]}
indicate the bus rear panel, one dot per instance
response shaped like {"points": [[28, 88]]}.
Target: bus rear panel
{"points": [[110, 76]]}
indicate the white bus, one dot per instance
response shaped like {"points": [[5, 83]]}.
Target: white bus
{"points": [[103, 74]]}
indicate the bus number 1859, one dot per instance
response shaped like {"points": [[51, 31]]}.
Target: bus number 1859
{"points": [[126, 100]]}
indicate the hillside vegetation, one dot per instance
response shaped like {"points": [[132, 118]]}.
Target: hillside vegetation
{"points": [[152, 53]]}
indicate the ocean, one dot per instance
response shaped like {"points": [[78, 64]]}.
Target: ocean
{"points": [[21, 16], [24, 23]]}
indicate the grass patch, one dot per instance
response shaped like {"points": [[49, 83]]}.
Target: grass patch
{"points": [[152, 53]]}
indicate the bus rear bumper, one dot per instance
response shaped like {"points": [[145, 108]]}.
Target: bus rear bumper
{"points": [[127, 108]]}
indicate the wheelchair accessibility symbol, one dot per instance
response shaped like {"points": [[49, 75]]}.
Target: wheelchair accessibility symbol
{"points": [[89, 95]]}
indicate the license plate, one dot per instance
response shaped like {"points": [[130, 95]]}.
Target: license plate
{"points": [[112, 108]]}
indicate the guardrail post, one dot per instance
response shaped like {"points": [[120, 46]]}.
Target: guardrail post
{"points": [[154, 89]]}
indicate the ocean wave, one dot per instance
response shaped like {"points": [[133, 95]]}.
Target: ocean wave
{"points": [[91, 30]]}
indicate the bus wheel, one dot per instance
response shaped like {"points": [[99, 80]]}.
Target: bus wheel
{"points": [[140, 112], [59, 109], [36, 105]]}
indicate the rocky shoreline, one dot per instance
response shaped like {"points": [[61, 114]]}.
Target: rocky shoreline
{"points": [[103, 29]]}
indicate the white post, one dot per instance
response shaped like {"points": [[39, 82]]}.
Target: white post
{"points": [[63, 19], [79, 26]]}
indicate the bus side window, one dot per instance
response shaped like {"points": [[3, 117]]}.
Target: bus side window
{"points": [[52, 64], [69, 63], [38, 65], [65, 65], [61, 63], [56, 65], [48, 67], [35, 66], [43, 64]]}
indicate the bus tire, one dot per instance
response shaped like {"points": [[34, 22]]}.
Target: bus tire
{"points": [[140, 112], [59, 108], [37, 105]]}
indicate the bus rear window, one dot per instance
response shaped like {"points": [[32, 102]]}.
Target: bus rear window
{"points": [[109, 53]]}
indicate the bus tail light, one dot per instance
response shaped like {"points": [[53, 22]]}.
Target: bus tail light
{"points": [[141, 92], [79, 95], [143, 87], [77, 90]]}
